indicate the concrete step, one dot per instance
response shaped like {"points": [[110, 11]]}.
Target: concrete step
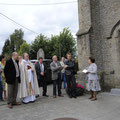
{"points": [[115, 91]]}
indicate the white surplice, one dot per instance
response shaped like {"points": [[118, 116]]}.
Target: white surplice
{"points": [[28, 76]]}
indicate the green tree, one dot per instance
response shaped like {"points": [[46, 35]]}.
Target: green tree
{"points": [[66, 43], [14, 43], [40, 41], [16, 40], [63, 43], [6, 48], [52, 46], [24, 48], [58, 45]]}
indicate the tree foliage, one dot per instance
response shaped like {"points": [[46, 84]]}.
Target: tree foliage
{"points": [[65, 43], [40, 41], [58, 45], [14, 43], [24, 48], [6, 48], [16, 40]]}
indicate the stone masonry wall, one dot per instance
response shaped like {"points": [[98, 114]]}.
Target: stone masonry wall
{"points": [[109, 16], [104, 15]]}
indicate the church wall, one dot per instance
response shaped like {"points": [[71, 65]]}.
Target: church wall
{"points": [[109, 16], [104, 15]]}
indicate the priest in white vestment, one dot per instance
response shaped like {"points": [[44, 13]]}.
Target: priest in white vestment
{"points": [[29, 84]]}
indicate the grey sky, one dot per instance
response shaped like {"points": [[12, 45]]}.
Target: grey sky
{"points": [[41, 19]]}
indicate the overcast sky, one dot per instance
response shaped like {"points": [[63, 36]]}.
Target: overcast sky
{"points": [[41, 19]]}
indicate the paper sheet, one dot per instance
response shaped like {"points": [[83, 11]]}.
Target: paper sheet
{"points": [[84, 71]]}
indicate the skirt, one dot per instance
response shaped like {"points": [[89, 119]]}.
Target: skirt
{"points": [[93, 85], [4, 83]]}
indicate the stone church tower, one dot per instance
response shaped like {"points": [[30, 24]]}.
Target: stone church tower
{"points": [[99, 36]]}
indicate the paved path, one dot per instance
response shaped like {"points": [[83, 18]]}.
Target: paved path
{"points": [[106, 108]]}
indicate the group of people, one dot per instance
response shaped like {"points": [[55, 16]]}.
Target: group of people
{"points": [[22, 72], [20, 78], [66, 71]]}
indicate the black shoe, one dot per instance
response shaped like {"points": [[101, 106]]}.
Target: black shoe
{"points": [[61, 95], [46, 95], [37, 96], [75, 96], [70, 96]]}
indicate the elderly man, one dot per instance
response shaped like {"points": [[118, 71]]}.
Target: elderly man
{"points": [[12, 74], [56, 76]]}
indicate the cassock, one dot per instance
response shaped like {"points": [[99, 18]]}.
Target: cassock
{"points": [[28, 88]]}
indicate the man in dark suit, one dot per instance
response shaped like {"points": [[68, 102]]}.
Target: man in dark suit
{"points": [[12, 74], [70, 76], [41, 70]]}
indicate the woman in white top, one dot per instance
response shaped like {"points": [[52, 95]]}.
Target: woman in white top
{"points": [[92, 79]]}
